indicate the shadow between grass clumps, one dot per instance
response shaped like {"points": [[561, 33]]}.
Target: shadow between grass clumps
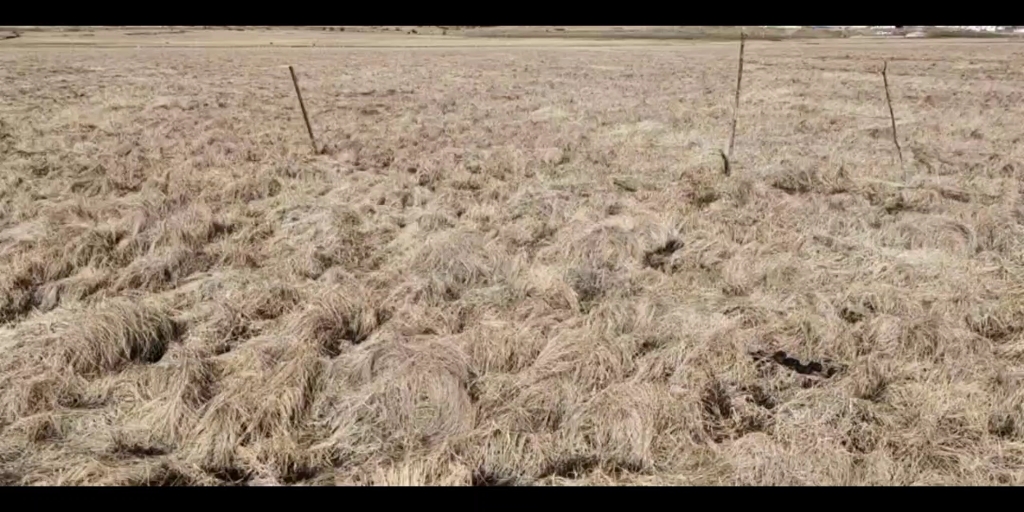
{"points": [[482, 477], [659, 258], [9, 478], [163, 475], [571, 467], [127, 450], [579, 466], [232, 476]]}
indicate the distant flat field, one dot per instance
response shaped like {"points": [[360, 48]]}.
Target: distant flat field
{"points": [[508, 261], [427, 36]]}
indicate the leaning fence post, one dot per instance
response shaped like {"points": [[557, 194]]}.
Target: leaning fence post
{"points": [[892, 116], [302, 105], [727, 155]]}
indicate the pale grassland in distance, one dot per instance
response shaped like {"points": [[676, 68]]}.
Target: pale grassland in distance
{"points": [[515, 262]]}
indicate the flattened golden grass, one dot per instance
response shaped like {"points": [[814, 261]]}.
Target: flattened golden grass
{"points": [[510, 266]]}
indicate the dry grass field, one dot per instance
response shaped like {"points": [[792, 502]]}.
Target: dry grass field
{"points": [[515, 262]]}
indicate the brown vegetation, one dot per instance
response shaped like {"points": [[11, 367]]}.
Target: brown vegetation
{"points": [[511, 265]]}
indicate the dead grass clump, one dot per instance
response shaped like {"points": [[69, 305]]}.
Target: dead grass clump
{"points": [[99, 181], [452, 262], [336, 237], [15, 300], [252, 189], [238, 433], [246, 246], [619, 427], [502, 347], [587, 357], [997, 230], [627, 317], [530, 404], [194, 227], [511, 458], [742, 191], [663, 347], [931, 338], [545, 287], [29, 272], [946, 429], [808, 176], [118, 333], [796, 181], [613, 241], [430, 470], [893, 200], [600, 258], [591, 283], [73, 289], [1000, 321], [929, 232], [248, 309], [414, 395], [865, 302], [176, 391], [434, 221], [42, 428], [780, 273], [271, 302], [163, 475], [97, 247], [1006, 417], [44, 390], [545, 205], [759, 457], [163, 270], [339, 319]]}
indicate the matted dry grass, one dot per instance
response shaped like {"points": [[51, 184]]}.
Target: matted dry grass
{"points": [[511, 265]]}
